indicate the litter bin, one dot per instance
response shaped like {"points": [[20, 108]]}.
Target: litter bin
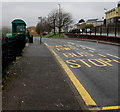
{"points": [[31, 39]]}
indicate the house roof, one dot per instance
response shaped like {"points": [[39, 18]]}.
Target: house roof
{"points": [[110, 11], [91, 20], [113, 9], [18, 21]]}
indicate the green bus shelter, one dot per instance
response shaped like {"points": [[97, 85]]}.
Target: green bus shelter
{"points": [[18, 27]]}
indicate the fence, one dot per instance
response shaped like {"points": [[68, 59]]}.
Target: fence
{"points": [[109, 30], [94, 37], [11, 47]]}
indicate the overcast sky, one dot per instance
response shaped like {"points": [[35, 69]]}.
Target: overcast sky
{"points": [[30, 11]]}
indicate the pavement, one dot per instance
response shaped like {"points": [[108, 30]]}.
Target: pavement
{"points": [[37, 83]]}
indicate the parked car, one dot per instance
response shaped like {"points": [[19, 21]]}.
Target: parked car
{"points": [[44, 33], [88, 30], [75, 30]]}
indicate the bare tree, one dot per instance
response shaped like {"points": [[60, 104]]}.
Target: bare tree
{"points": [[63, 20], [52, 20], [46, 26], [43, 26], [59, 19]]}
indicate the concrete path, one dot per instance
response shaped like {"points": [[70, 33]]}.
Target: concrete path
{"points": [[38, 83]]}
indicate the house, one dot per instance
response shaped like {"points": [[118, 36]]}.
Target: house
{"points": [[113, 15], [81, 25], [77, 26], [32, 30], [94, 22]]}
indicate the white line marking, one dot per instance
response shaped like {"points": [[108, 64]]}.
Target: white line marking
{"points": [[77, 45], [87, 47], [70, 43], [113, 56]]}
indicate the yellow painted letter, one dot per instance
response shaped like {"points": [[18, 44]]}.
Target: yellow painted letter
{"points": [[73, 64]]}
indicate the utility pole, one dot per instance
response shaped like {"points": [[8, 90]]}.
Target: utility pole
{"points": [[54, 25], [59, 17], [40, 21], [59, 8]]}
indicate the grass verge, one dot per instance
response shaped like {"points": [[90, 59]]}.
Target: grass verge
{"points": [[55, 36]]}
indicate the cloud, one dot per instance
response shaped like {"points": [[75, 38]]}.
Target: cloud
{"points": [[30, 11], [59, 1]]}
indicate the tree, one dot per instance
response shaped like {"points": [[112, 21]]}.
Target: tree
{"points": [[52, 20], [63, 20], [39, 28], [88, 26], [59, 19], [81, 20], [43, 26]]}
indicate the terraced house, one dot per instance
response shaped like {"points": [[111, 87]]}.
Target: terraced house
{"points": [[113, 15]]}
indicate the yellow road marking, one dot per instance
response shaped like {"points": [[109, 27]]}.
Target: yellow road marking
{"points": [[62, 49], [106, 61], [105, 108], [110, 108], [82, 60], [84, 94], [90, 50], [116, 61], [100, 62], [102, 55], [83, 48], [73, 64]]}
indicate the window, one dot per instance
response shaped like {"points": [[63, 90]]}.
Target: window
{"points": [[20, 28]]}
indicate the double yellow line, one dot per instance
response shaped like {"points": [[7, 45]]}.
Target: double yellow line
{"points": [[81, 90]]}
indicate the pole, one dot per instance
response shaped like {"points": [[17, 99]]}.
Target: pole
{"points": [[54, 26], [59, 17], [115, 27], [101, 30], [107, 30], [40, 21], [95, 30]]}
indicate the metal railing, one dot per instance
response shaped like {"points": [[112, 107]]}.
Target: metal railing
{"points": [[104, 30], [11, 48], [94, 37]]}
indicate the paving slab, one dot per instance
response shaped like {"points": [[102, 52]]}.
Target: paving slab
{"points": [[39, 83]]}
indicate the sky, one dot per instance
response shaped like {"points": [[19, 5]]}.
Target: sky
{"points": [[29, 11]]}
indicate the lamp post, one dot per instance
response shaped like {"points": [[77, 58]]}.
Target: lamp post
{"points": [[40, 21]]}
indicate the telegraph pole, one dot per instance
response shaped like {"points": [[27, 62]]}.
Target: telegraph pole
{"points": [[54, 25], [59, 17]]}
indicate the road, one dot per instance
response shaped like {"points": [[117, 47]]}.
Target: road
{"points": [[92, 67]]}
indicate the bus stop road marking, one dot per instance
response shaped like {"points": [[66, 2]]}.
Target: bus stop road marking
{"points": [[81, 90]]}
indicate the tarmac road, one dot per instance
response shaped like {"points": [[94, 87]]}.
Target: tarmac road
{"points": [[92, 68]]}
